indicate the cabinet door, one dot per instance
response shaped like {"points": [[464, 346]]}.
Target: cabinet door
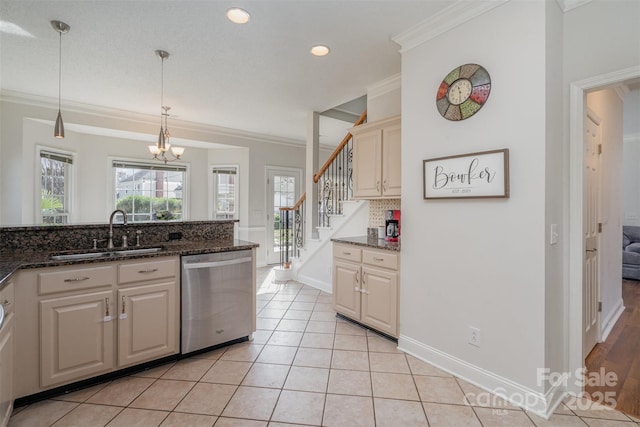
{"points": [[147, 323], [391, 161], [346, 288], [380, 300], [76, 339], [6, 371], [367, 149]]}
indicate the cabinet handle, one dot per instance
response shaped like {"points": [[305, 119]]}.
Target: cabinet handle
{"points": [[124, 304], [357, 289], [106, 300], [364, 291], [363, 277], [148, 270], [6, 303], [77, 279], [377, 185], [357, 280], [346, 253], [378, 259], [384, 185]]}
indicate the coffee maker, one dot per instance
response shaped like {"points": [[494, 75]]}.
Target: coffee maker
{"points": [[392, 225]]}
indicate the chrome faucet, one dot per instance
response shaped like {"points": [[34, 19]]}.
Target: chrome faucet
{"points": [[124, 217]]}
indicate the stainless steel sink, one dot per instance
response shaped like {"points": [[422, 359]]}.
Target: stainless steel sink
{"points": [[103, 254], [140, 251], [83, 255]]}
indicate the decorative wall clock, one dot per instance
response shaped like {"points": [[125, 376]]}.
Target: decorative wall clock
{"points": [[463, 92]]}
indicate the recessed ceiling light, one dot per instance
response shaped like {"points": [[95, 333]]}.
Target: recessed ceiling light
{"points": [[320, 50], [238, 16]]}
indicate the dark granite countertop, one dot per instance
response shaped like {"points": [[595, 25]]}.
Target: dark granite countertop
{"points": [[368, 242], [10, 262]]}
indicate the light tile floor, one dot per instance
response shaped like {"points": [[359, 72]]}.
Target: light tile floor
{"points": [[303, 367]]}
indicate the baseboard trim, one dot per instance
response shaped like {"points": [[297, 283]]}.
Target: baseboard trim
{"points": [[542, 404], [314, 283], [611, 320]]}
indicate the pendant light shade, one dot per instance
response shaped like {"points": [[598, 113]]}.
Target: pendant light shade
{"points": [[61, 28], [58, 131]]}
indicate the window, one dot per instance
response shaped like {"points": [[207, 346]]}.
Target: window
{"points": [[55, 187], [225, 192], [149, 192]]}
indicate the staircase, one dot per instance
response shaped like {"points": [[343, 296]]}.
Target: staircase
{"points": [[306, 259]]}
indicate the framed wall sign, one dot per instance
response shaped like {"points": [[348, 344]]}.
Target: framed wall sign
{"points": [[474, 175]]}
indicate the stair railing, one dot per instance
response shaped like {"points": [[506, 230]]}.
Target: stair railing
{"points": [[292, 225], [334, 178], [335, 185]]}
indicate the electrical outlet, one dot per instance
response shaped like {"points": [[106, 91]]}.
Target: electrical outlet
{"points": [[474, 336]]}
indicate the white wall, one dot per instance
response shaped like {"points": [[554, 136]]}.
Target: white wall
{"points": [[607, 105], [384, 99], [556, 335], [478, 262], [631, 159]]}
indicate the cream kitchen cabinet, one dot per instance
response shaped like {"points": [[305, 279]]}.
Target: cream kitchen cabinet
{"points": [[76, 337], [6, 354], [365, 286], [377, 159], [93, 319], [76, 322], [148, 311]]}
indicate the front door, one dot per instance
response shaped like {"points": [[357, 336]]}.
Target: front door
{"points": [[591, 277], [283, 190]]}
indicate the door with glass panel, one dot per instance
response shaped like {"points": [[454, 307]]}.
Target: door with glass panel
{"points": [[283, 190]]}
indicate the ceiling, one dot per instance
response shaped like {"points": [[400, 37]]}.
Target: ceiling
{"points": [[258, 77]]}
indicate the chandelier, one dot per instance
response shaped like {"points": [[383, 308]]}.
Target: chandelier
{"points": [[160, 151]]}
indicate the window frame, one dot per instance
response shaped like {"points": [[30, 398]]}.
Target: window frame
{"points": [[145, 164], [69, 183], [213, 191]]}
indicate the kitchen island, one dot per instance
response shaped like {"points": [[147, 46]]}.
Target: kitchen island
{"points": [[85, 314]]}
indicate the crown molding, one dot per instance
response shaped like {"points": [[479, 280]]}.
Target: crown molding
{"points": [[149, 119], [448, 18], [567, 5], [385, 86]]}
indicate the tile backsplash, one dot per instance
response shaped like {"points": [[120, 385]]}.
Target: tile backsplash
{"points": [[377, 209]]}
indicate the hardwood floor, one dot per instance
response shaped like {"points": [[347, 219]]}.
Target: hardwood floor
{"points": [[620, 354]]}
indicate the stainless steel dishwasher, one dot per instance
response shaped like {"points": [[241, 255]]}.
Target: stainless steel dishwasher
{"points": [[216, 299]]}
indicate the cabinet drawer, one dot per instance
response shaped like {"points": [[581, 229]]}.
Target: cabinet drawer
{"points": [[346, 252], [75, 279], [380, 259], [149, 270]]}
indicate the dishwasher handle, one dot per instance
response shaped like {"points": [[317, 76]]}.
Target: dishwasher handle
{"points": [[2, 314], [209, 264]]}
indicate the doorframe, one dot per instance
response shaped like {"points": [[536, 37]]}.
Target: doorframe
{"points": [[577, 111], [268, 193]]}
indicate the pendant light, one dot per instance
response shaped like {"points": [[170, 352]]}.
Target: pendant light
{"points": [[159, 151], [61, 28]]}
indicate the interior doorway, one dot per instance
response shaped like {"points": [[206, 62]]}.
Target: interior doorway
{"points": [[578, 222], [283, 190]]}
